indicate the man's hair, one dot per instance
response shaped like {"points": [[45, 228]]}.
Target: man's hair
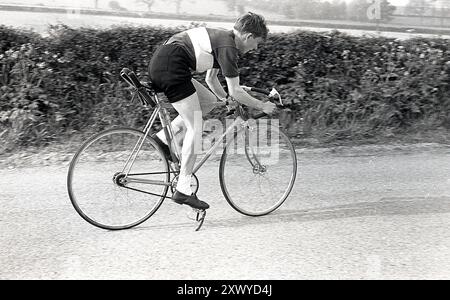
{"points": [[252, 23]]}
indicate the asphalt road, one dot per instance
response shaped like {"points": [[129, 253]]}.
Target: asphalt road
{"points": [[355, 213]]}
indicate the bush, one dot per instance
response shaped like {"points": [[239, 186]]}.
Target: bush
{"points": [[357, 87], [345, 86], [11, 38]]}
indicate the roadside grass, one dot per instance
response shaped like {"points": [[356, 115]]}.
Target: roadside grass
{"points": [[411, 140]]}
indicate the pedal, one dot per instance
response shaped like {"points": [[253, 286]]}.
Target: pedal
{"points": [[201, 214], [197, 215]]}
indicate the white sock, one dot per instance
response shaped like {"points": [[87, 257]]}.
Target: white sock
{"points": [[184, 185]]}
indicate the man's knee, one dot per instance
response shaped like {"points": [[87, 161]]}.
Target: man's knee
{"points": [[197, 125]]}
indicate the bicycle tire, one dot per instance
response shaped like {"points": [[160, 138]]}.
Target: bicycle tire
{"points": [[237, 190], [100, 162]]}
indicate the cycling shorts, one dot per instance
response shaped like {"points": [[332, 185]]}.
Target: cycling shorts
{"points": [[170, 72]]}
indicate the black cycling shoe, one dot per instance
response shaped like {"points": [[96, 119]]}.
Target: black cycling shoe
{"points": [[191, 200], [164, 147]]}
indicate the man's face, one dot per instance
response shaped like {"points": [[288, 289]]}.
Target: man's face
{"points": [[250, 43]]}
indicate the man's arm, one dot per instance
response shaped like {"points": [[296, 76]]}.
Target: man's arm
{"points": [[214, 84], [238, 93]]}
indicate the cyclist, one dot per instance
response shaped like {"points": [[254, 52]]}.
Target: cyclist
{"points": [[199, 50]]}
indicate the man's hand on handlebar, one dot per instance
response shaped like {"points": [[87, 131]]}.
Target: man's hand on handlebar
{"points": [[266, 106], [269, 108], [246, 88]]}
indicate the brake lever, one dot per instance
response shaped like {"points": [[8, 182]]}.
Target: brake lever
{"points": [[274, 93]]}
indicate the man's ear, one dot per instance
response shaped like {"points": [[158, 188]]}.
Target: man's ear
{"points": [[247, 36]]}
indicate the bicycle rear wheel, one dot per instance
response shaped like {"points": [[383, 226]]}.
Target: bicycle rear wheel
{"points": [[258, 169], [102, 191]]}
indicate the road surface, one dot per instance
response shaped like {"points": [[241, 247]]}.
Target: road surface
{"points": [[354, 213]]}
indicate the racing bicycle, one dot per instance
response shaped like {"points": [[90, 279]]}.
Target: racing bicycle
{"points": [[120, 177]]}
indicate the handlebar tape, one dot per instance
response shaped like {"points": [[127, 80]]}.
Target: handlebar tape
{"points": [[260, 115], [261, 91]]}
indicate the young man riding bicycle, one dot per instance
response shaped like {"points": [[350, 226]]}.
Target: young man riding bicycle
{"points": [[203, 50]]}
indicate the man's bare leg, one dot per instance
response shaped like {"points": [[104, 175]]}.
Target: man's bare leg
{"points": [[190, 112], [207, 101], [179, 130]]}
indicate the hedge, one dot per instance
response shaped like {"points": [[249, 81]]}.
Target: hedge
{"points": [[342, 86]]}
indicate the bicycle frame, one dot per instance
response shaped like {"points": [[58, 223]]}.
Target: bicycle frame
{"points": [[161, 112]]}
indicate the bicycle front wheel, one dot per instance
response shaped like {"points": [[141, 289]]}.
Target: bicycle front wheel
{"points": [[258, 170], [110, 196]]}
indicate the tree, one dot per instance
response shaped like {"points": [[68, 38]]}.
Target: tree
{"points": [[308, 9], [178, 6], [417, 7], [372, 10], [387, 9], [236, 5], [149, 3], [341, 9], [357, 10], [327, 11], [116, 6]]}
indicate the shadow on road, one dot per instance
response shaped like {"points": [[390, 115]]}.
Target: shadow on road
{"points": [[385, 207]]}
